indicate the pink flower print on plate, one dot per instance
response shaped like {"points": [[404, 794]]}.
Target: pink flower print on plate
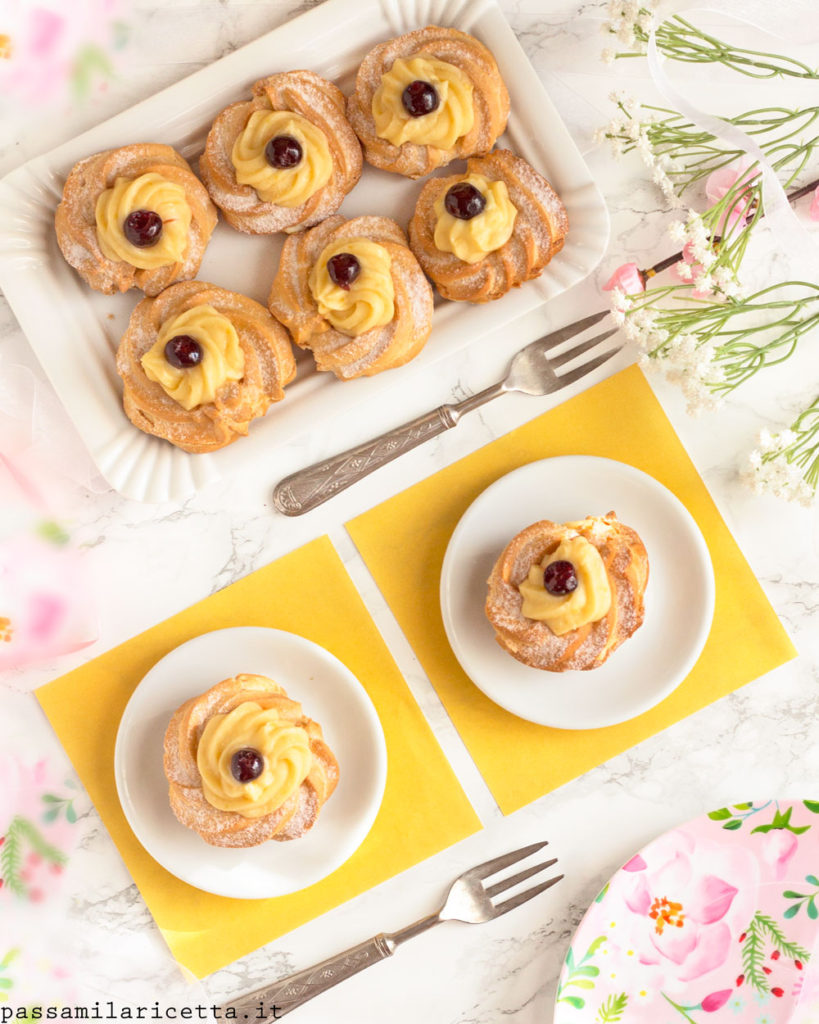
{"points": [[714, 921]]}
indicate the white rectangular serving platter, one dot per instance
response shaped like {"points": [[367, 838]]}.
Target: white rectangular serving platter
{"points": [[75, 331]]}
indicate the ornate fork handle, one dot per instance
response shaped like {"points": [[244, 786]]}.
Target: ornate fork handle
{"points": [[306, 489], [274, 1001]]}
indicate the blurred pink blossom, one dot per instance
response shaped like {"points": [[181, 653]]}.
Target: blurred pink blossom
{"points": [[628, 278], [45, 600], [47, 605], [57, 47]]}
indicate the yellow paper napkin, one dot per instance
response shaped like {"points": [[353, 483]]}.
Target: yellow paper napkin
{"points": [[424, 809], [619, 419]]}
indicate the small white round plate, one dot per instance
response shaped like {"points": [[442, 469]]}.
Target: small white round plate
{"points": [[679, 596], [329, 693]]}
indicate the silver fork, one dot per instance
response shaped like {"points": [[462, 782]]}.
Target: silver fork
{"points": [[470, 898], [532, 371]]}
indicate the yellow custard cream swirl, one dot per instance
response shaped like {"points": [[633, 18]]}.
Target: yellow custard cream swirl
{"points": [[286, 186], [285, 751], [442, 127], [222, 357], [147, 192], [588, 602], [471, 240], [370, 300]]}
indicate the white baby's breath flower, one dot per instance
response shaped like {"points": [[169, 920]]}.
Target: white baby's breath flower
{"points": [[608, 56], [766, 441], [677, 232], [644, 149]]}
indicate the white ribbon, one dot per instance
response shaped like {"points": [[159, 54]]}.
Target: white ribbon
{"points": [[794, 20]]}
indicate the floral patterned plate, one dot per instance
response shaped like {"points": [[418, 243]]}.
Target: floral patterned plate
{"points": [[716, 920]]}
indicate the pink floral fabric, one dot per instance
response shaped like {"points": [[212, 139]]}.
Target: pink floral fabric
{"points": [[38, 832]]}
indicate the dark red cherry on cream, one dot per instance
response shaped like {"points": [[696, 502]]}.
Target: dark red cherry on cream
{"points": [[420, 98], [246, 765], [183, 351], [283, 151], [464, 201], [142, 228], [343, 269], [560, 578]]}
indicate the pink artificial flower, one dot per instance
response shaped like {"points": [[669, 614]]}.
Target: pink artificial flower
{"points": [[720, 182], [693, 270], [716, 1000], [628, 278], [813, 212]]}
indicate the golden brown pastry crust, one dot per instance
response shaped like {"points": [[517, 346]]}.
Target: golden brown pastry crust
{"points": [[532, 642], [75, 220], [228, 828], [380, 348], [269, 366], [320, 102], [490, 99], [540, 228]]}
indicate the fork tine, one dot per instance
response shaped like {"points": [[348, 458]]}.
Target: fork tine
{"points": [[581, 371], [523, 897], [499, 863], [578, 350], [521, 876], [564, 333]]}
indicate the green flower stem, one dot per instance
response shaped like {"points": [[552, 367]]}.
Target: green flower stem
{"points": [[803, 451], [780, 132], [741, 348], [678, 1008], [680, 40]]}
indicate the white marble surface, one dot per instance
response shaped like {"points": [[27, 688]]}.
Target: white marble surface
{"points": [[151, 561]]}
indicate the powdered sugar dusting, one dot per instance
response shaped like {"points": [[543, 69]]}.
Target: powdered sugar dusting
{"points": [[533, 642], [540, 227], [227, 828], [378, 349]]}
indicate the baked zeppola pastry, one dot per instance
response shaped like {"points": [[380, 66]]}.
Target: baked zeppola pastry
{"points": [[135, 217], [352, 292], [244, 764], [480, 233], [198, 363], [564, 596], [427, 98], [285, 159]]}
